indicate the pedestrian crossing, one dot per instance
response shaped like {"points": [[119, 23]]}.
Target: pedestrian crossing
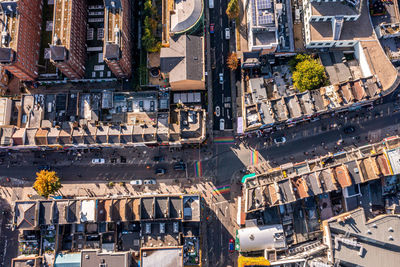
{"points": [[224, 140]]}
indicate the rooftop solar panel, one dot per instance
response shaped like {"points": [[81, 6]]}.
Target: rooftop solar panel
{"points": [[254, 12], [265, 19], [264, 4]]}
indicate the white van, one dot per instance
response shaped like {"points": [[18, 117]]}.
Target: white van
{"points": [[211, 4], [221, 124], [227, 34]]}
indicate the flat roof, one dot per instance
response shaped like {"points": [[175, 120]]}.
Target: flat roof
{"points": [[185, 15], [394, 159], [259, 238], [340, 8], [87, 210], [379, 238], [162, 257], [93, 258]]}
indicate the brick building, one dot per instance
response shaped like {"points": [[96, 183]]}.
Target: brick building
{"points": [[20, 37], [68, 48], [117, 39]]}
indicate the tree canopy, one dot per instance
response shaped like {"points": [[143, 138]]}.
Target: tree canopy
{"points": [[47, 183], [149, 40], [233, 9], [232, 61], [308, 74]]}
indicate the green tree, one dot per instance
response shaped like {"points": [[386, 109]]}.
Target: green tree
{"points": [[297, 59], [150, 43], [308, 75], [233, 9], [47, 183]]}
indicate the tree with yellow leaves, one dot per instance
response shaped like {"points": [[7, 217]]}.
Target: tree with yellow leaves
{"points": [[232, 61], [47, 183]]}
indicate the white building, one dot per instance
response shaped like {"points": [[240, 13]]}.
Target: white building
{"points": [[262, 24], [5, 111], [329, 23], [259, 238]]}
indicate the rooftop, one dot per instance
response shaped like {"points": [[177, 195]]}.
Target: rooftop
{"points": [[61, 29], [259, 238], [361, 242], [162, 257], [93, 258], [183, 59], [112, 31], [9, 13], [185, 15], [340, 8]]}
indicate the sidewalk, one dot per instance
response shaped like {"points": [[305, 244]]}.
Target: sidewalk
{"points": [[22, 190]]}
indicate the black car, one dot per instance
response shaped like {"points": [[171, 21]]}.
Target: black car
{"points": [[349, 130], [180, 166], [158, 158]]}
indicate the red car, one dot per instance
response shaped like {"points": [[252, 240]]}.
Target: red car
{"points": [[212, 27], [231, 245]]}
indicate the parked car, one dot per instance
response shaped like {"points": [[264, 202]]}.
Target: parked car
{"points": [[221, 78], [227, 34], [349, 130], [98, 161], [212, 25], [150, 181], [180, 166], [221, 124], [231, 245], [158, 158], [280, 140], [161, 171], [136, 182], [217, 111]]}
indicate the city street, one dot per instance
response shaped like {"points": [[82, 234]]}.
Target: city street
{"points": [[303, 141], [222, 94]]}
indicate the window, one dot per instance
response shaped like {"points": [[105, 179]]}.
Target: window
{"points": [[320, 43], [351, 43], [328, 19]]}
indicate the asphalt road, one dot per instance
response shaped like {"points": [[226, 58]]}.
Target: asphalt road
{"points": [[220, 48], [305, 142]]}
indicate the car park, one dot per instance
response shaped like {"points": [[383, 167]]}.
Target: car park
{"points": [[221, 78], [98, 161], [150, 181], [280, 140], [136, 182], [217, 111], [212, 25], [160, 171]]}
